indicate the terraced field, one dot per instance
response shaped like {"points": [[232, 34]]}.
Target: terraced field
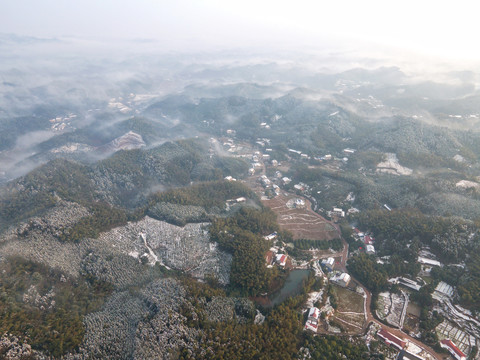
{"points": [[303, 223]]}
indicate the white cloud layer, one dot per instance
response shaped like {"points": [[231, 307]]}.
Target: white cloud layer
{"points": [[445, 28]]}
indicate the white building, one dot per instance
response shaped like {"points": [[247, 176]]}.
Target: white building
{"points": [[272, 236], [338, 212], [343, 279], [405, 282], [299, 203], [370, 249], [429, 262], [328, 264], [444, 289], [281, 259]]}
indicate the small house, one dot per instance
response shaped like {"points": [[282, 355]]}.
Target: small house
{"points": [[370, 249], [271, 236], [299, 203], [328, 264], [311, 325], [314, 313], [338, 212], [343, 279], [281, 259], [286, 180]]}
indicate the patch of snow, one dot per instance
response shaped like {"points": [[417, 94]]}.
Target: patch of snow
{"points": [[392, 166]]}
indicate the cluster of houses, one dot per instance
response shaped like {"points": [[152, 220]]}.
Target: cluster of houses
{"points": [[268, 184], [402, 345], [327, 157], [337, 277], [275, 255], [367, 239], [296, 203], [262, 142], [230, 145]]}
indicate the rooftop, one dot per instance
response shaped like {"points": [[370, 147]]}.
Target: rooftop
{"points": [[391, 339], [447, 343]]}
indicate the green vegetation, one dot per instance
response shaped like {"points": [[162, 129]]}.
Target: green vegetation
{"points": [[104, 217], [365, 159], [38, 302], [364, 268], [427, 160], [241, 235], [450, 238], [334, 347], [209, 195], [277, 338], [469, 283], [36, 192]]}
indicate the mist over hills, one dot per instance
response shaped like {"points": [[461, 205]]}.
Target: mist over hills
{"points": [[126, 176]]}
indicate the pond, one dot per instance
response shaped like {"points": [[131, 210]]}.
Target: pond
{"points": [[292, 286]]}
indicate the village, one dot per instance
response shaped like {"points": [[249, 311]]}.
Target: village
{"points": [[343, 305]]}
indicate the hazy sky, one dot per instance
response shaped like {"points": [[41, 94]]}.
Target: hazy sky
{"points": [[438, 27]]}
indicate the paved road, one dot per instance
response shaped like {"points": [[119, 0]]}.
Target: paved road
{"points": [[395, 331]]}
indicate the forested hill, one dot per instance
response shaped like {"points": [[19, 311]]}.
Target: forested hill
{"points": [[123, 180]]}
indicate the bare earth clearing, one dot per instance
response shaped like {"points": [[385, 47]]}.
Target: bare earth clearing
{"points": [[302, 223]]}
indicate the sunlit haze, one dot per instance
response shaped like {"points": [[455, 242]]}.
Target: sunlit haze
{"points": [[445, 28]]}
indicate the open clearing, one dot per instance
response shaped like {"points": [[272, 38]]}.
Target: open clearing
{"points": [[350, 311], [349, 300], [303, 223]]}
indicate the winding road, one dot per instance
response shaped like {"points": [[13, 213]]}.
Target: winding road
{"points": [[369, 316]]}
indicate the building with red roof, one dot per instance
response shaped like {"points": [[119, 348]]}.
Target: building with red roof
{"points": [[281, 259], [391, 339], [453, 349], [314, 313], [311, 325]]}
